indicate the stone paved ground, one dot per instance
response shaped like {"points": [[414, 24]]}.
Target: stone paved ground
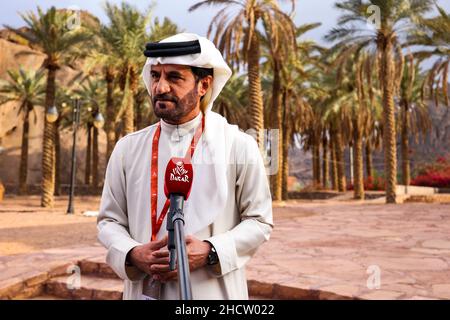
{"points": [[331, 248], [339, 247]]}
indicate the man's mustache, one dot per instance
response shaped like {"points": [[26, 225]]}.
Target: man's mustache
{"points": [[166, 97]]}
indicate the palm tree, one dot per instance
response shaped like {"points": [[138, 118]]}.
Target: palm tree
{"points": [[141, 106], [280, 42], [92, 91], [232, 102], [357, 100], [414, 117], [238, 37], [159, 31], [283, 72], [353, 34], [48, 32], [337, 118], [434, 34], [118, 51], [128, 35], [62, 103], [27, 88], [104, 56]]}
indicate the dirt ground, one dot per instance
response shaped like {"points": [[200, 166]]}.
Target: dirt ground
{"points": [[26, 227]]}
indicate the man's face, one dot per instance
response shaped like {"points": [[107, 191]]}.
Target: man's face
{"points": [[175, 91]]}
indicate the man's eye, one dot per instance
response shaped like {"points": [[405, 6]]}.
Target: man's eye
{"points": [[154, 75]]}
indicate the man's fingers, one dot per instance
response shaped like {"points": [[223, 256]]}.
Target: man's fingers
{"points": [[163, 260], [168, 276], [158, 243], [160, 253], [159, 268]]}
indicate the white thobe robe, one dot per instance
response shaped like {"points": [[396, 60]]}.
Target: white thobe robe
{"points": [[238, 228]]}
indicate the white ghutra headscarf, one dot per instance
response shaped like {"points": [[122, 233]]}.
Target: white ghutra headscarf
{"points": [[209, 57]]}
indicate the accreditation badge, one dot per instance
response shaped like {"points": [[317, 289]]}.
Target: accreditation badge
{"points": [[151, 289]]}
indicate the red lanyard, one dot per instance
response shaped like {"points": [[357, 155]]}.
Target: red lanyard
{"points": [[156, 224]]}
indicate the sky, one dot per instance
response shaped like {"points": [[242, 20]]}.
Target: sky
{"points": [[307, 11]]}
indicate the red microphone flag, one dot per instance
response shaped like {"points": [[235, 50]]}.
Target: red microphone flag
{"points": [[178, 177]]}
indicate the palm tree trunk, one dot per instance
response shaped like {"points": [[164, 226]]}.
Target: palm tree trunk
{"points": [[358, 181], [109, 125], [255, 92], [139, 121], [118, 133], [95, 158], [325, 163], [316, 160], [286, 140], [88, 164], [57, 159], [406, 174], [342, 184], [389, 139], [314, 163], [369, 159], [48, 149], [334, 170], [128, 117], [24, 152], [278, 124]]}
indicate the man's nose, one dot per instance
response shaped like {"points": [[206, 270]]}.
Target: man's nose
{"points": [[162, 86]]}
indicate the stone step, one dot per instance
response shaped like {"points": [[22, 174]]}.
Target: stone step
{"points": [[46, 297], [90, 288], [97, 267]]}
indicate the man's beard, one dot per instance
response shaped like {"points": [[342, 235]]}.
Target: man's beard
{"points": [[181, 106]]}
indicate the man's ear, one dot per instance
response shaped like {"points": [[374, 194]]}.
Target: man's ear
{"points": [[204, 85]]}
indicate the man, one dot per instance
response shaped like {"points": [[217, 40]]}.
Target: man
{"points": [[229, 212]]}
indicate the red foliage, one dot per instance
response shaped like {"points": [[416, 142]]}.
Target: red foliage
{"points": [[435, 175], [371, 183]]}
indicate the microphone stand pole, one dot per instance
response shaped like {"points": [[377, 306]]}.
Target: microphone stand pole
{"points": [[177, 242]]}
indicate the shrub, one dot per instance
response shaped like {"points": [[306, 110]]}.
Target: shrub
{"points": [[435, 174], [375, 183]]}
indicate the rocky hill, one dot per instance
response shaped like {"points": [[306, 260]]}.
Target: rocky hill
{"points": [[11, 122]]}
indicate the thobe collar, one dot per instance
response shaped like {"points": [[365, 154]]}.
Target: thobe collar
{"points": [[178, 131]]}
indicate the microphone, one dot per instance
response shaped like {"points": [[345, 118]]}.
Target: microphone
{"points": [[177, 187], [178, 178]]}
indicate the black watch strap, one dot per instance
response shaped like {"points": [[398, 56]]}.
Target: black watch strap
{"points": [[213, 258]]}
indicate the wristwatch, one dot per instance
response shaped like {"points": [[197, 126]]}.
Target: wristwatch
{"points": [[213, 258]]}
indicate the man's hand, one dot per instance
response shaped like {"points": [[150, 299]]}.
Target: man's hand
{"points": [[154, 260], [197, 251], [144, 257]]}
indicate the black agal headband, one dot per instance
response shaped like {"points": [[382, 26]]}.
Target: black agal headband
{"points": [[171, 49]]}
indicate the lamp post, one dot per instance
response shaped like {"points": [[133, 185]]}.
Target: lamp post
{"points": [[98, 123], [75, 122], [52, 114]]}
